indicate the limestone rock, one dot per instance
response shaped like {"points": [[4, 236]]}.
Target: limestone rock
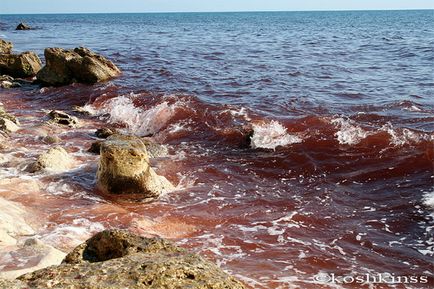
{"points": [[5, 46], [23, 26], [8, 122], [62, 118], [55, 160], [124, 169], [118, 259], [25, 64], [104, 132], [79, 65], [12, 284]]}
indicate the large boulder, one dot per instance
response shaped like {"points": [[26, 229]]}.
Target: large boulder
{"points": [[118, 259], [25, 64], [5, 47], [124, 168], [79, 65]]}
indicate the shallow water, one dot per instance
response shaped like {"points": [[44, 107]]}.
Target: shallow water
{"points": [[337, 177]]}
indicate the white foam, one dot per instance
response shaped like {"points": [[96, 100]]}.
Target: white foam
{"points": [[348, 132], [271, 135], [400, 137], [141, 122], [428, 199]]}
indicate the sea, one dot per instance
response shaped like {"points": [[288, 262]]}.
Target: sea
{"points": [[301, 143]]}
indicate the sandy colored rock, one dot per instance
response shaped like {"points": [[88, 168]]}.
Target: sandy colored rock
{"points": [[55, 160], [79, 65], [124, 169], [8, 126], [12, 284], [25, 64], [5, 47], [62, 118], [118, 259]]}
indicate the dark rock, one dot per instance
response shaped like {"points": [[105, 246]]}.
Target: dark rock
{"points": [[118, 259], [124, 168], [25, 64], [62, 118], [51, 139], [95, 147], [5, 47], [78, 65], [23, 26], [104, 132]]}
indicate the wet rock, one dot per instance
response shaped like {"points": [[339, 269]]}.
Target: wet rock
{"points": [[104, 132], [95, 147], [51, 139], [79, 65], [5, 47], [55, 160], [13, 284], [25, 64], [8, 122], [124, 169], [23, 26], [118, 259], [62, 118]]}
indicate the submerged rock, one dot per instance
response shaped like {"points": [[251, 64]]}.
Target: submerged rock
{"points": [[78, 65], [23, 26], [54, 160], [25, 64], [5, 47], [118, 259], [124, 169], [62, 118]]}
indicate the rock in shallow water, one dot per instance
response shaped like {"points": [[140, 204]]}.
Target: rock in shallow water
{"points": [[79, 65], [124, 169], [62, 118], [25, 64], [118, 259], [55, 160], [5, 46], [23, 26]]}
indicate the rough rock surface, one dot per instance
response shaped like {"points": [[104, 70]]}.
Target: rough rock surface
{"points": [[118, 259], [8, 122], [78, 65], [25, 64], [124, 169], [55, 160], [62, 118], [5, 46], [12, 284], [23, 26]]}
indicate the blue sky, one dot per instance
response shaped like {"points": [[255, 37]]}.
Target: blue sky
{"points": [[95, 6]]}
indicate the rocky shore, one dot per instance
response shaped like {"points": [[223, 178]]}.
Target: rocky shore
{"points": [[110, 259]]}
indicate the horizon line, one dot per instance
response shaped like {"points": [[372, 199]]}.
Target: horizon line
{"points": [[241, 11]]}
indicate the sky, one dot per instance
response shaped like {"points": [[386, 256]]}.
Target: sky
{"points": [[118, 6]]}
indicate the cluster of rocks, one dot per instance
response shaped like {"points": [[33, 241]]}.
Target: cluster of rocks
{"points": [[62, 66], [119, 259]]}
